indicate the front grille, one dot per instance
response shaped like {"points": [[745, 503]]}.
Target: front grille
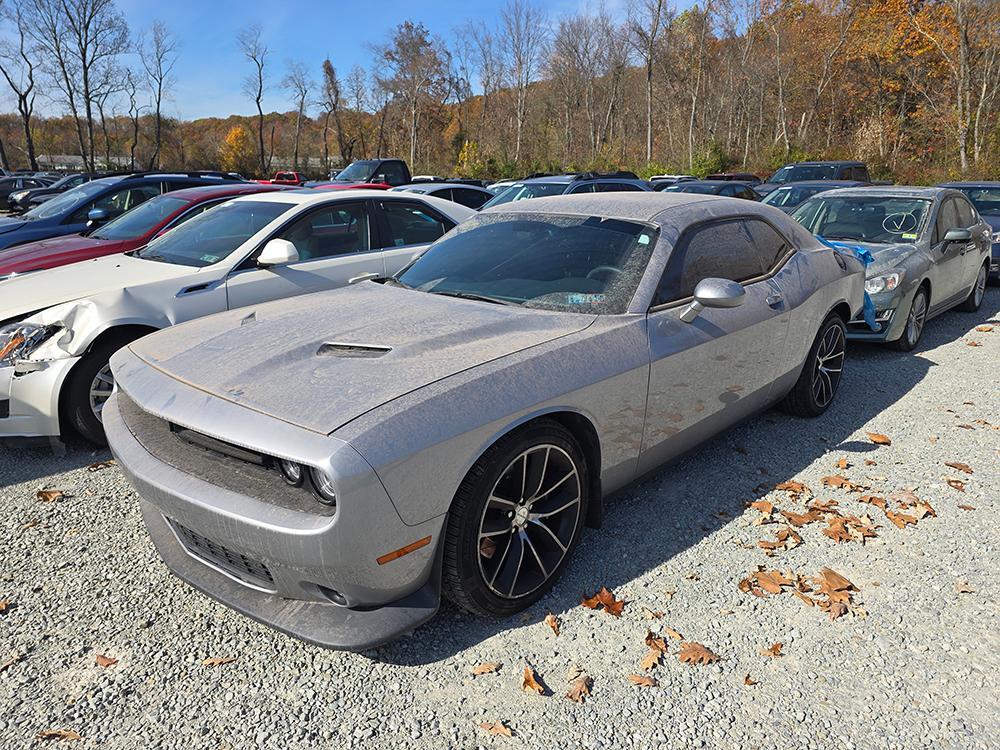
{"points": [[238, 565]]}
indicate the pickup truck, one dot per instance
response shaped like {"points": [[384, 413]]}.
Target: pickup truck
{"points": [[284, 178], [377, 174]]}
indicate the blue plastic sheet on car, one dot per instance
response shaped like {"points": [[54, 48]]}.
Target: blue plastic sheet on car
{"points": [[865, 257]]}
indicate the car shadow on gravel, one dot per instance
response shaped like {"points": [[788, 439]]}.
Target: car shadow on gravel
{"points": [[29, 459], [697, 495]]}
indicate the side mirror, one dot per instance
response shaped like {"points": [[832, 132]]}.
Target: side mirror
{"points": [[379, 178], [96, 216], [957, 235], [277, 252], [714, 293]]}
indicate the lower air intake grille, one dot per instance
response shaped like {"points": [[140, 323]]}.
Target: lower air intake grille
{"points": [[237, 565]]}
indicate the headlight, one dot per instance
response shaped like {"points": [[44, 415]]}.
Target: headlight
{"points": [[323, 486], [18, 340], [884, 283], [292, 472]]}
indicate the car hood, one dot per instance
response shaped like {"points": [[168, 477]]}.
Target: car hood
{"points": [[54, 252], [886, 257], [993, 220], [320, 360], [8, 224], [23, 295]]}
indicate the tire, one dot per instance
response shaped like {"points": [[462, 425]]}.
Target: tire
{"points": [[479, 573], [916, 319], [974, 301], [820, 378], [91, 371]]}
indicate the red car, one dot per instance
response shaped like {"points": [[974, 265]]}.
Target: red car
{"points": [[285, 178], [129, 231]]}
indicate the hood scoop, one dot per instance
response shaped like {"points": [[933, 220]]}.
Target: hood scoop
{"points": [[352, 351]]}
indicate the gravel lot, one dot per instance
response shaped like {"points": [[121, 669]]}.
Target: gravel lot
{"points": [[920, 669]]}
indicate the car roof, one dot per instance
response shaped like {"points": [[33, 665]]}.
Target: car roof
{"points": [[826, 163], [970, 184], [895, 191], [306, 196], [207, 192], [821, 183], [719, 183]]}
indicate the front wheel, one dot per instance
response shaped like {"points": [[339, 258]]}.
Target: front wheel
{"points": [[88, 389], [820, 377], [915, 320], [515, 520], [973, 302]]}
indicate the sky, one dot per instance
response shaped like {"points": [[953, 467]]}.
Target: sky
{"points": [[210, 70]]}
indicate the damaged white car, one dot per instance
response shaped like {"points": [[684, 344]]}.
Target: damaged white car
{"points": [[59, 327]]}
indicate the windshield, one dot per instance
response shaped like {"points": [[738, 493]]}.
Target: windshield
{"points": [[143, 218], [65, 201], [553, 262], [800, 172], [213, 235], [791, 196], [519, 192], [359, 171], [864, 218], [686, 187], [985, 199], [67, 180]]}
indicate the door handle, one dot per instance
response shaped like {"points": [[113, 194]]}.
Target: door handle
{"points": [[774, 299], [363, 277]]}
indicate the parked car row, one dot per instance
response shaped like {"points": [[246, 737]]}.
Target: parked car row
{"points": [[340, 405]]}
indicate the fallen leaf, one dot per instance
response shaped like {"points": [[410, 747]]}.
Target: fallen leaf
{"points": [[553, 622], [5, 605], [579, 689], [655, 642], [651, 659], [842, 464], [496, 727], [959, 466], [971, 342], [841, 481], [487, 667], [105, 661], [642, 680], [673, 634], [837, 609], [801, 519], [763, 506], [216, 661], [878, 502], [869, 462], [837, 530], [101, 465], [965, 426], [963, 587], [878, 438], [794, 487], [961, 506], [530, 683], [50, 496], [487, 547], [58, 734], [652, 614], [695, 653], [805, 599], [901, 520], [748, 681], [984, 329], [605, 599], [773, 650], [956, 484]]}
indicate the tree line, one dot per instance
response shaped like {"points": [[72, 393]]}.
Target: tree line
{"points": [[910, 86]]}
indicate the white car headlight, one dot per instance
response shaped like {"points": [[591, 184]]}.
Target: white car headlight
{"points": [[18, 340], [884, 283]]}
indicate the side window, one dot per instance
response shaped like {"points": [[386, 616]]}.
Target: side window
{"points": [[587, 187], [116, 202], [470, 198], [617, 187], [747, 194], [966, 216], [33, 184], [723, 250], [947, 218], [393, 172], [412, 224], [727, 190], [771, 246], [340, 229], [196, 211]]}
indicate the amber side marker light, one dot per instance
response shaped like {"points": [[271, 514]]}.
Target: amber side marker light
{"points": [[396, 554]]}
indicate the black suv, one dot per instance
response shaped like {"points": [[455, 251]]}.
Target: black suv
{"points": [[98, 201], [815, 170], [24, 200]]}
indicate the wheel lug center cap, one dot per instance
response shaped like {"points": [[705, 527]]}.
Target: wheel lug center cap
{"points": [[521, 515]]}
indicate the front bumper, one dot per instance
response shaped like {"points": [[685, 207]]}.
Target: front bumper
{"points": [[890, 311], [29, 400], [995, 263], [311, 575]]}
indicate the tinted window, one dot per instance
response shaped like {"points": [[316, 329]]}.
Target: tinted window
{"points": [[771, 246], [966, 216], [617, 187], [947, 219], [747, 194], [587, 187], [722, 250], [393, 173], [519, 191], [335, 230], [410, 224], [570, 263], [141, 219], [985, 199], [8, 184], [470, 198], [63, 202], [116, 202], [34, 184], [213, 235]]}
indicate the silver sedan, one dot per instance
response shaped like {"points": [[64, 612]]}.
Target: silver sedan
{"points": [[331, 464]]}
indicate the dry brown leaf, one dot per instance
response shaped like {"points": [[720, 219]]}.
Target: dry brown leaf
{"points": [[553, 622], [806, 599], [837, 480], [842, 464], [878, 502], [837, 530], [771, 581], [579, 689], [965, 426], [105, 661], [763, 506], [956, 484], [837, 609], [748, 681], [497, 728], [216, 661], [50, 496], [642, 680], [869, 462], [794, 487], [101, 465], [696, 653], [606, 600], [901, 520], [655, 642], [673, 634], [650, 659], [487, 667], [652, 614], [58, 734], [801, 519], [984, 328], [959, 466], [972, 342], [963, 587], [5, 605], [773, 650], [878, 438], [961, 506], [530, 683]]}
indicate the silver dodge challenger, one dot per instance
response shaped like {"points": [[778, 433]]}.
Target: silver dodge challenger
{"points": [[332, 464]]}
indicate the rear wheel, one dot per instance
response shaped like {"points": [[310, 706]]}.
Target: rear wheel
{"points": [[515, 520], [820, 377], [915, 320], [975, 298], [88, 390]]}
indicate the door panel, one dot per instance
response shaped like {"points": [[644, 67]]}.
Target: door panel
{"points": [[948, 272]]}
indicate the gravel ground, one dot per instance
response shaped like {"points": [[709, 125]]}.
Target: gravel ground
{"points": [[915, 663]]}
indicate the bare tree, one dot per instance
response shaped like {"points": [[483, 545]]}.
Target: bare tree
{"points": [[131, 87], [17, 64], [647, 20], [525, 32], [333, 105], [256, 53], [359, 102], [298, 85], [158, 58]]}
